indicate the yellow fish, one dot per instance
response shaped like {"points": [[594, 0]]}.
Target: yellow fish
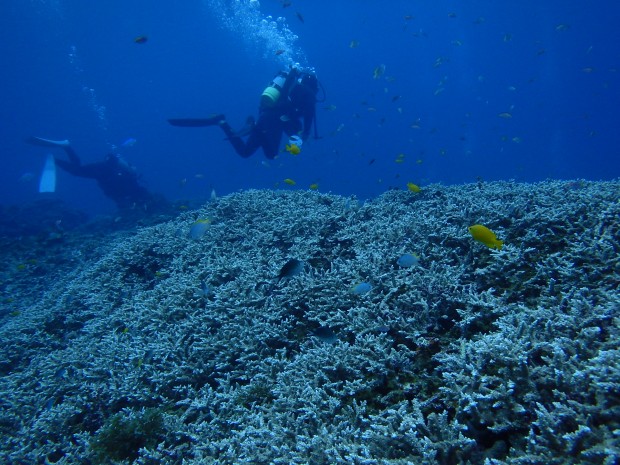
{"points": [[198, 228], [486, 236], [505, 115], [289, 181], [293, 149], [314, 186], [413, 187]]}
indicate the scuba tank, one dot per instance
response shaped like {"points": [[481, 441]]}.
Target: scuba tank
{"points": [[272, 92]]}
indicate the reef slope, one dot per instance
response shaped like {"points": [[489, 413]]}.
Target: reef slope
{"points": [[175, 350]]}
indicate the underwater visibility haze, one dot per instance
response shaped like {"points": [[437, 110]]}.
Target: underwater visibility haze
{"points": [[431, 277], [412, 93]]}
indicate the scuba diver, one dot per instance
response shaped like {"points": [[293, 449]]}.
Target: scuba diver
{"points": [[287, 105], [117, 179]]}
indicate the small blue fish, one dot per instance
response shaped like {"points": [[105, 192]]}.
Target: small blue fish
{"points": [[204, 291], [361, 288], [26, 177], [408, 260], [129, 142]]}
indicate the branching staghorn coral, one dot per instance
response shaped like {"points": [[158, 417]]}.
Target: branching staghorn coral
{"points": [[472, 354]]}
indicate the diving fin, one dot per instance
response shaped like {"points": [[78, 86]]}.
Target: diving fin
{"points": [[48, 176], [47, 142], [197, 122]]}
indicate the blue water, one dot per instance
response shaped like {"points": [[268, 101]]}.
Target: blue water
{"points": [[71, 70]]}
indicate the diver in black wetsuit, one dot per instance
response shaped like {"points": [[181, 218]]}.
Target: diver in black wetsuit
{"points": [[116, 178], [287, 105]]}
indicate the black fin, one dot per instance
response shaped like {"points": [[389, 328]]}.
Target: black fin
{"points": [[196, 122]]}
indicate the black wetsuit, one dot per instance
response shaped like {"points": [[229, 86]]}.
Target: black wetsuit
{"points": [[293, 113], [117, 180]]}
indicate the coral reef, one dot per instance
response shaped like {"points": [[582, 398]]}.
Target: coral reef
{"points": [[173, 350]]}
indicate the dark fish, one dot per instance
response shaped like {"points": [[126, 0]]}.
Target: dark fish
{"points": [[141, 39], [291, 268], [325, 334], [301, 18]]}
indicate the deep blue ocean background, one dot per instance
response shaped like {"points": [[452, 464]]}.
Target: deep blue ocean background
{"points": [[71, 69]]}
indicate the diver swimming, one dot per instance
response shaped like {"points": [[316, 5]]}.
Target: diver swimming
{"points": [[287, 105], [117, 179]]}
